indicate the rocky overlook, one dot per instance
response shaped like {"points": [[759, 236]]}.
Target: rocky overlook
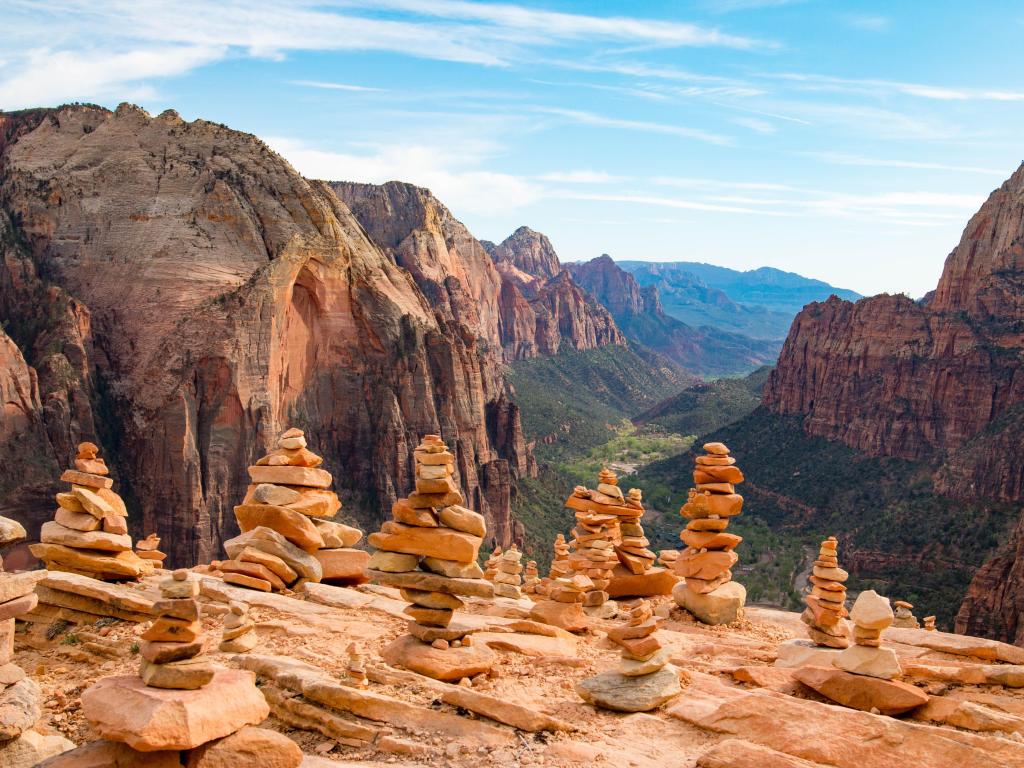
{"points": [[177, 292], [938, 380]]}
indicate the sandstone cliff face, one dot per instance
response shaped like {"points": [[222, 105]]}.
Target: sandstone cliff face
{"points": [[638, 312], [185, 295], [518, 312], [940, 380]]}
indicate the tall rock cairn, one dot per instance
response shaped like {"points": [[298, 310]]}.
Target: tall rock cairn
{"points": [[89, 533], [171, 647], [429, 551], [21, 700], [871, 614], [287, 534], [826, 604], [644, 680], [706, 562], [508, 578], [531, 578], [560, 567], [595, 536]]}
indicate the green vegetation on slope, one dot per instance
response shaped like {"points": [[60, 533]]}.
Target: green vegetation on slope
{"points": [[705, 407], [898, 535]]}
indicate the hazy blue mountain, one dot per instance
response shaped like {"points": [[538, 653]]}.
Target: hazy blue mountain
{"points": [[760, 303]]}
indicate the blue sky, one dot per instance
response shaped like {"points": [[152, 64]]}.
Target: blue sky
{"points": [[845, 141]]}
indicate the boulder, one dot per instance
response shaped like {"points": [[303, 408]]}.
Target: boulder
{"points": [[865, 660], [802, 653], [249, 746], [567, 616], [871, 610], [734, 753], [270, 541], [617, 692], [152, 719], [11, 531], [112, 754], [656, 581], [33, 748], [343, 566], [450, 664], [863, 692], [19, 708], [294, 526], [432, 542], [722, 605]]}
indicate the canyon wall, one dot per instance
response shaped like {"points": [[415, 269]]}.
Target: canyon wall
{"points": [[939, 380], [182, 295]]}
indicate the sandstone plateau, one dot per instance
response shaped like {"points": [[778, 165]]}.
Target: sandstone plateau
{"points": [[938, 380]]}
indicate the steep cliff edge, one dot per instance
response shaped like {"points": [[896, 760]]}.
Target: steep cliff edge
{"points": [[520, 301], [184, 294], [941, 381], [638, 312]]}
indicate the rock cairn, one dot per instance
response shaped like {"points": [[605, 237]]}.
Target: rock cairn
{"points": [[491, 564], [708, 591], [929, 623], [21, 746], [564, 604], [826, 604], [149, 549], [287, 536], [594, 537], [171, 648], [239, 633], [508, 579], [531, 578], [429, 551], [644, 680], [871, 614], [355, 670], [560, 567], [89, 533], [904, 617]]}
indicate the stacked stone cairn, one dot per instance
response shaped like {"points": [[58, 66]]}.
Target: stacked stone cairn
{"points": [[239, 633], [355, 671], [491, 564], [863, 675], [708, 591], [21, 746], [287, 536], [508, 579], [593, 544], [429, 552], [905, 618], [149, 549], [560, 567], [171, 648], [89, 533], [929, 623], [826, 604], [531, 578], [644, 680], [564, 604]]}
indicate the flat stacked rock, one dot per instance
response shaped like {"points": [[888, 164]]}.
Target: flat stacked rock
{"points": [[239, 633], [863, 675], [290, 497], [20, 698], [708, 591], [491, 564], [149, 549], [171, 647], [508, 578], [564, 604], [904, 617], [429, 551], [560, 567], [531, 578], [355, 670], [593, 544], [645, 680], [89, 533], [929, 623], [826, 602]]}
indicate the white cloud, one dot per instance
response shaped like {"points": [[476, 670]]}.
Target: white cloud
{"points": [[871, 23], [335, 86], [580, 177], [872, 87], [655, 200], [755, 124], [731, 6], [452, 177], [590, 118], [838, 158]]}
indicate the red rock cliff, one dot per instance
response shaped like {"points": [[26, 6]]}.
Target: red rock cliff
{"points": [[940, 380], [184, 295]]}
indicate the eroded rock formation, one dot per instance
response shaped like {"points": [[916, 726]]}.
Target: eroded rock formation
{"points": [[179, 288]]}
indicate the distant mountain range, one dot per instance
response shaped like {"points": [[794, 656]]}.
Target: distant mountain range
{"points": [[759, 303]]}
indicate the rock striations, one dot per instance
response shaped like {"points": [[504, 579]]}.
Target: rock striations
{"points": [[940, 379], [257, 299]]}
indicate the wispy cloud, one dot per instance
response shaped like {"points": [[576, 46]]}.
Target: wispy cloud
{"points": [[664, 202], [755, 124], [871, 23], [838, 158], [590, 118], [872, 87], [581, 177], [731, 6], [336, 86]]}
